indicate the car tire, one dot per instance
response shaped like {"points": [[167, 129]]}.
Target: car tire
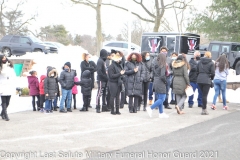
{"points": [[237, 68], [7, 52], [37, 50]]}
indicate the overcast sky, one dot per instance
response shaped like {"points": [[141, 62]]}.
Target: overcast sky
{"points": [[80, 19]]}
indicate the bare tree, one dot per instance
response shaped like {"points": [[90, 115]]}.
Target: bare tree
{"points": [[155, 15], [97, 8], [11, 19]]}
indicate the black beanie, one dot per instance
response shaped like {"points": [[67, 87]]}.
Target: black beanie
{"points": [[68, 64]]}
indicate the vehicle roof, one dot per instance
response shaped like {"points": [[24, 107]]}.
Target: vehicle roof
{"points": [[165, 34], [118, 42], [225, 42]]}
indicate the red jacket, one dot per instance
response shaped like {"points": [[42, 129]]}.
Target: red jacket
{"points": [[33, 85], [41, 84]]}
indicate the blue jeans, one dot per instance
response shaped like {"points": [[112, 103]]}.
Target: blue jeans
{"points": [[150, 88], [159, 102], [220, 85], [190, 99], [55, 102], [66, 94], [48, 104]]}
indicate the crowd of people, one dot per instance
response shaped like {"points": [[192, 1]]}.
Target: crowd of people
{"points": [[138, 77]]}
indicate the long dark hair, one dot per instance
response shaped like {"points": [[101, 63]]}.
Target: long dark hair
{"points": [[1, 62], [161, 60], [144, 55], [222, 63]]}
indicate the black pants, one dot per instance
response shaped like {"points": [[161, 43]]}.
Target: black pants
{"points": [[114, 95], [34, 101], [74, 100], [42, 100], [5, 100], [101, 92], [123, 95], [90, 98], [133, 105], [205, 89], [108, 96], [86, 100], [145, 93]]}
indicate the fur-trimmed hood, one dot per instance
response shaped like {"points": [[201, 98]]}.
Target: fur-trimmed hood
{"points": [[50, 71], [178, 63]]}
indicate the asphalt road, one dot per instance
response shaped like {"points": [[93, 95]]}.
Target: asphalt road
{"points": [[218, 138]]}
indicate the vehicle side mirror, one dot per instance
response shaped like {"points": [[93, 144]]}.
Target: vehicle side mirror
{"points": [[132, 48], [29, 43]]}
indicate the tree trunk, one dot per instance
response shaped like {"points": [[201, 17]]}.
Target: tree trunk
{"points": [[99, 28]]}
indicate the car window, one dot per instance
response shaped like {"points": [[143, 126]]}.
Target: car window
{"points": [[6, 38], [15, 39], [235, 48], [24, 40], [225, 48], [125, 45], [114, 45], [215, 47]]}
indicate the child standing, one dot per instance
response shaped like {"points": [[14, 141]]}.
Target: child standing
{"points": [[33, 86], [42, 94], [74, 89], [86, 89], [50, 88]]}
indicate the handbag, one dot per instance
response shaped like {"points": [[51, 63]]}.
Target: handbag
{"points": [[189, 91], [212, 84]]}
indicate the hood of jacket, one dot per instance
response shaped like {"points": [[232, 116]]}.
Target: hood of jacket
{"points": [[50, 71], [31, 79], [104, 54], [178, 64], [86, 74], [42, 78], [205, 60]]}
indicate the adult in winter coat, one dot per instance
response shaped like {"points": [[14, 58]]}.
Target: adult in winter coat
{"points": [[135, 72], [206, 73], [42, 93], [116, 84], [50, 89], [159, 85], [180, 82], [86, 89], [102, 79], [7, 87], [193, 79], [88, 64], [33, 85], [67, 82], [147, 63]]}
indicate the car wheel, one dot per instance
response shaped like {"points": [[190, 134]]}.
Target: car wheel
{"points": [[37, 50], [237, 68], [6, 52]]}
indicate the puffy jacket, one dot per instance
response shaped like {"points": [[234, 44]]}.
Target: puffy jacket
{"points": [[101, 66], [85, 83], [148, 69], [134, 80], [205, 71], [159, 82], [41, 84], [7, 81], [91, 66], [180, 79], [75, 89], [67, 80], [33, 85], [193, 71], [50, 85]]}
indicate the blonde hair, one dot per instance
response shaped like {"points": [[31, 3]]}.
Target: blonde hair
{"points": [[208, 54], [84, 55]]}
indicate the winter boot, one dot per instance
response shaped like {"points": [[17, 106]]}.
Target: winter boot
{"points": [[87, 108], [5, 112], [2, 115], [33, 105], [117, 110], [104, 108], [55, 108], [98, 109], [144, 108], [69, 110], [83, 109], [112, 110], [38, 105]]}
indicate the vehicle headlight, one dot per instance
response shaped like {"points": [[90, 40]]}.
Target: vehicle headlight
{"points": [[47, 48]]}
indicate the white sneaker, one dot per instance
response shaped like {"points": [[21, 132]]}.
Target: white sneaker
{"points": [[149, 111], [163, 115]]}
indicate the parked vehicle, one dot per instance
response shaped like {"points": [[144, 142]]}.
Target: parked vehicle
{"points": [[121, 46], [19, 45]]}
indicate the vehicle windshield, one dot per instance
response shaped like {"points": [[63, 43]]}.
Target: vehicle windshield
{"points": [[34, 39]]}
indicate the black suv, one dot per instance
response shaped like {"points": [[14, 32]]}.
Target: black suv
{"points": [[19, 45], [231, 49]]}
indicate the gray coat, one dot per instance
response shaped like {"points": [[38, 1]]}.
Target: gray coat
{"points": [[181, 79], [67, 80], [50, 84], [159, 82], [134, 80], [205, 71], [148, 69]]}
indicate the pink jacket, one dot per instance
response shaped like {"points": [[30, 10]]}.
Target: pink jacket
{"points": [[74, 89]]}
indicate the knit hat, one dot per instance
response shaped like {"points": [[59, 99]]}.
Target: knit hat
{"points": [[68, 64]]}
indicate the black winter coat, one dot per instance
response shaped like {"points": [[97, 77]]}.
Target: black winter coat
{"points": [[50, 84], [159, 83], [67, 80], [205, 70], [91, 66], [101, 66], [193, 71], [134, 80], [148, 69], [85, 83]]}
